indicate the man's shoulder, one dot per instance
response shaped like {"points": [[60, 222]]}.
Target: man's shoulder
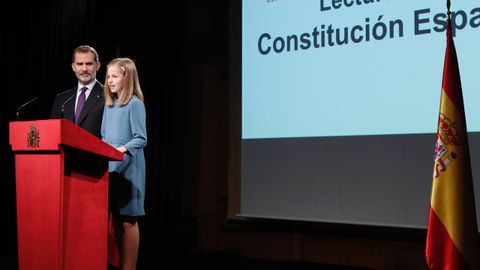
{"points": [[98, 85], [98, 88]]}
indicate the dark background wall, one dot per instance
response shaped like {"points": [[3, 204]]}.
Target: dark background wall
{"points": [[37, 43], [182, 53]]}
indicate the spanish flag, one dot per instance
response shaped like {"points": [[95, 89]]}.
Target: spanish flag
{"points": [[452, 236]]}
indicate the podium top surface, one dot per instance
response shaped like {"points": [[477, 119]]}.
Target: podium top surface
{"points": [[51, 135]]}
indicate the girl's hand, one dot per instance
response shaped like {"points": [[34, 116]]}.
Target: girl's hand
{"points": [[122, 149]]}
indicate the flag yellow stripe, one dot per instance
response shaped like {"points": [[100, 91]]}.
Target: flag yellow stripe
{"points": [[450, 192]]}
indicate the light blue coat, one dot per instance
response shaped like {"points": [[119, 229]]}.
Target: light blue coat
{"points": [[126, 125]]}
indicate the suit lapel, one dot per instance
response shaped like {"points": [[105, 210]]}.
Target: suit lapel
{"points": [[69, 108]]}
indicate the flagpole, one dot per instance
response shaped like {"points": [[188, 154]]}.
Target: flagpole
{"points": [[448, 10]]}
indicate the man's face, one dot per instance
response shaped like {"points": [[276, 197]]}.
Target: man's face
{"points": [[85, 67]]}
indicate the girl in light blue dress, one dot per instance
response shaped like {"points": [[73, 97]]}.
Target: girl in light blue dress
{"points": [[124, 127]]}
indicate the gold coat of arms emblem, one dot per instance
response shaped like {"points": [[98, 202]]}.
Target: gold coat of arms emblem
{"points": [[33, 137]]}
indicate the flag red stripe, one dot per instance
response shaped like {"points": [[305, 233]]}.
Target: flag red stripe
{"points": [[451, 74], [441, 251]]}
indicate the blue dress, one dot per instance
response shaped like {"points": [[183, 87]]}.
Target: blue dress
{"points": [[126, 125]]}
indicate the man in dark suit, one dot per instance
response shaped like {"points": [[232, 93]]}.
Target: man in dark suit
{"points": [[84, 103]]}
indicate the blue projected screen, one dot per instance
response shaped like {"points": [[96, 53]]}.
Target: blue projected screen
{"points": [[315, 68], [340, 103]]}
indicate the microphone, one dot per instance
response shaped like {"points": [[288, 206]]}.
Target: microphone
{"points": [[17, 115], [63, 105]]}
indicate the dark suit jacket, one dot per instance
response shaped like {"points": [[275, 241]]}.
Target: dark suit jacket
{"points": [[92, 112]]}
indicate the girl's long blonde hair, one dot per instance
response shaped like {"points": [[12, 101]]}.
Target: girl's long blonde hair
{"points": [[131, 84]]}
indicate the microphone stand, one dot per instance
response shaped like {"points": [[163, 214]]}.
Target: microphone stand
{"points": [[17, 115]]}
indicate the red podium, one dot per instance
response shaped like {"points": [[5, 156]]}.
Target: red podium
{"points": [[62, 195]]}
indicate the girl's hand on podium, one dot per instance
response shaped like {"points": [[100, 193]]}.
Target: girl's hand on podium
{"points": [[122, 149]]}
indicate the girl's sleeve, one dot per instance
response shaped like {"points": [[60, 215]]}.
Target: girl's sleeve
{"points": [[137, 118]]}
